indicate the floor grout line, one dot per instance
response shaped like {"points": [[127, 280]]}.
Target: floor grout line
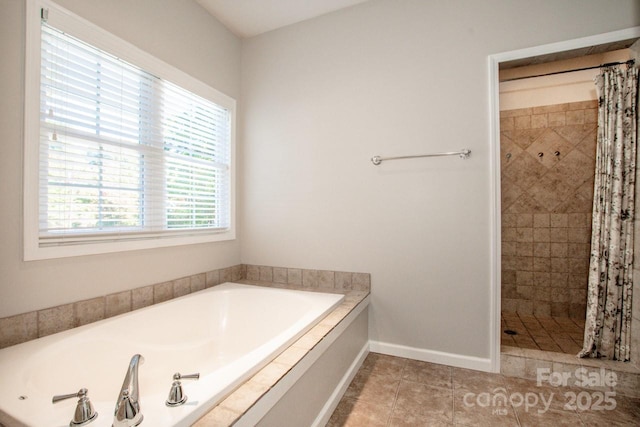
{"points": [[459, 380], [395, 397], [539, 332]]}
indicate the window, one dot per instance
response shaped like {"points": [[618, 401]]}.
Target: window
{"points": [[122, 151]]}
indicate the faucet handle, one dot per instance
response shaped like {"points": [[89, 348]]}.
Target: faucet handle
{"points": [[176, 394], [177, 376], [84, 412]]}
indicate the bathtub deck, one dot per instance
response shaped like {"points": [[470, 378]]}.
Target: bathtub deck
{"points": [[234, 406]]}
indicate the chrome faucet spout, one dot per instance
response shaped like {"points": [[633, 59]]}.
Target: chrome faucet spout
{"points": [[127, 412]]}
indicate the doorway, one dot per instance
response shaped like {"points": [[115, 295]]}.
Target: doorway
{"points": [[539, 305]]}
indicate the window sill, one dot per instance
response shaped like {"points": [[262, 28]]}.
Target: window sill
{"points": [[33, 251]]}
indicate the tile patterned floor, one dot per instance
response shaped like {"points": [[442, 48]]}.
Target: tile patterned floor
{"points": [[395, 392], [558, 334]]}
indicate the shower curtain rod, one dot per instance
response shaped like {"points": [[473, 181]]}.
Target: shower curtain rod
{"points": [[609, 64]]}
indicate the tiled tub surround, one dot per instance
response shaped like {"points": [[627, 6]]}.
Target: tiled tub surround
{"points": [[36, 324], [258, 398], [227, 333], [252, 403], [309, 279], [546, 207], [28, 326]]}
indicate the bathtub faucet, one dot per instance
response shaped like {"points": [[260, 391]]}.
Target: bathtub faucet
{"points": [[127, 412]]}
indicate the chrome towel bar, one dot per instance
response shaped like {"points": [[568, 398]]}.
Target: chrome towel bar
{"points": [[464, 154]]}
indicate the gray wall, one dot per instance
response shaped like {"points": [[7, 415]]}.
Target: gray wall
{"points": [[319, 98], [390, 77]]}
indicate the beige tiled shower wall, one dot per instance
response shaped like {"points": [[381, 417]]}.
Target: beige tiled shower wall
{"points": [[28, 326], [547, 169]]}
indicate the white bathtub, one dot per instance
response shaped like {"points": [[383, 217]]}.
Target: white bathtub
{"points": [[226, 333]]}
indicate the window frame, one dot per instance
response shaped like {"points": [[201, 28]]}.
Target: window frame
{"points": [[102, 39]]}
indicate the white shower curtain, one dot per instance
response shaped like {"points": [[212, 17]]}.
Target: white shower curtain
{"points": [[607, 327]]}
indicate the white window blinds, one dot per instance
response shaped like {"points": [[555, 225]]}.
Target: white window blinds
{"points": [[123, 153]]}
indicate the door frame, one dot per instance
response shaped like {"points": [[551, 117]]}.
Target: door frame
{"points": [[494, 157]]}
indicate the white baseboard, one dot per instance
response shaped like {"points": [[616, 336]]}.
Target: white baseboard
{"points": [[341, 388], [451, 359], [468, 362]]}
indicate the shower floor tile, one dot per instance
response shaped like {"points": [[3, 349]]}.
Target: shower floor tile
{"points": [[392, 391], [557, 334]]}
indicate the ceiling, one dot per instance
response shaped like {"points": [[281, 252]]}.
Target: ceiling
{"points": [[248, 18]]}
